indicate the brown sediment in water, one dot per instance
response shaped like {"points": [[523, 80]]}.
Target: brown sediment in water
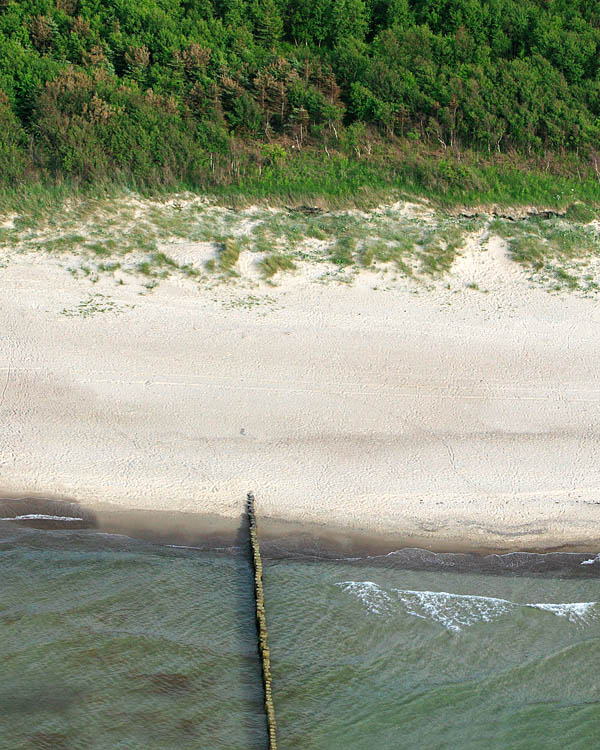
{"points": [[178, 528]]}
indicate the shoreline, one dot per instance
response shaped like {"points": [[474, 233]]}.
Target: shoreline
{"points": [[279, 537]]}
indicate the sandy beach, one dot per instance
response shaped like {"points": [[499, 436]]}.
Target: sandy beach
{"points": [[452, 417]]}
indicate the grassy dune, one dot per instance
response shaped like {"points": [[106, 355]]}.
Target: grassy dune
{"points": [[125, 235]]}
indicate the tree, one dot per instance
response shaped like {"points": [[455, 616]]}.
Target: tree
{"points": [[349, 18], [308, 21], [268, 25]]}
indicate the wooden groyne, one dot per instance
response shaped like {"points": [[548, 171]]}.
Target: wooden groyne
{"points": [[261, 624]]}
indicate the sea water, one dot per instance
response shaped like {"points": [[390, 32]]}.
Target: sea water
{"points": [[110, 642]]}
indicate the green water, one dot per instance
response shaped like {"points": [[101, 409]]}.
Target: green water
{"points": [[107, 642], [374, 658]]}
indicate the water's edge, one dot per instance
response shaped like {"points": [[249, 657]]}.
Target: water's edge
{"points": [[285, 539]]}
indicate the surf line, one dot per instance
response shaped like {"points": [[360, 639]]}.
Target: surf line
{"points": [[261, 623]]}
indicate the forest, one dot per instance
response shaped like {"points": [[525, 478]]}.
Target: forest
{"points": [[165, 93]]}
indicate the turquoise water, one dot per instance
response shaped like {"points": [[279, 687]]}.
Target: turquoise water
{"points": [[109, 642]]}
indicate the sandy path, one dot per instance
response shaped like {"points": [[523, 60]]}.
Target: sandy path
{"points": [[443, 415]]}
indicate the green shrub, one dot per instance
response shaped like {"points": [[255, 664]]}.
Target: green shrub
{"points": [[89, 126], [13, 144]]}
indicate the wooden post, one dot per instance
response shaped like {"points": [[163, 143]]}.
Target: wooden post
{"points": [[261, 625]]}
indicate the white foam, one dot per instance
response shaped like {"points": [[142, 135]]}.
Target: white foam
{"points": [[375, 599], [111, 534], [573, 611], [454, 611], [40, 517], [591, 561]]}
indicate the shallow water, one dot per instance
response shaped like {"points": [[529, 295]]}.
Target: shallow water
{"points": [[109, 642], [393, 658]]}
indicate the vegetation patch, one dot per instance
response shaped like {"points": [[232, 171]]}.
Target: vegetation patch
{"points": [[581, 213], [339, 103], [367, 256], [343, 251], [272, 264], [229, 254], [93, 305], [249, 302], [556, 251], [130, 234], [528, 250]]}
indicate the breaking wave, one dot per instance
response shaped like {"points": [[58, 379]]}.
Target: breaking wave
{"points": [[40, 517], [574, 611], [454, 611], [591, 561], [375, 599]]}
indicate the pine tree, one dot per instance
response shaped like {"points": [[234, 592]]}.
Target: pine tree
{"points": [[268, 25]]}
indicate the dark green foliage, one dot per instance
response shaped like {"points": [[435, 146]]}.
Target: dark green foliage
{"points": [[13, 143], [173, 92], [88, 125]]}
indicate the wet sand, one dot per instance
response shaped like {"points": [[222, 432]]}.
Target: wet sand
{"points": [[285, 539]]}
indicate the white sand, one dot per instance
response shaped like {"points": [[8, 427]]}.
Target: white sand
{"points": [[444, 415]]}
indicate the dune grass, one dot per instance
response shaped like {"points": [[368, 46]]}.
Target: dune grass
{"points": [[229, 254], [556, 251], [272, 264], [393, 171], [343, 251], [131, 234]]}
